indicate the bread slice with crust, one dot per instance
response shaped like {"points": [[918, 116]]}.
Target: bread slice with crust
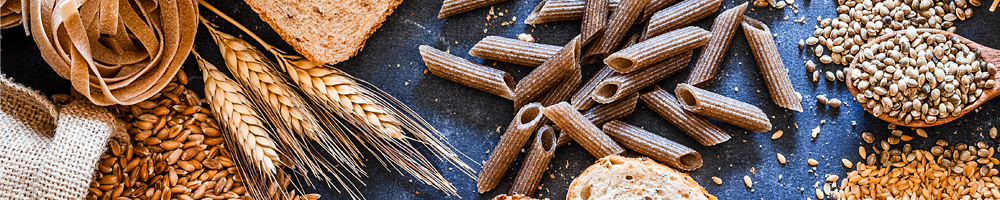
{"points": [[324, 31], [617, 177]]}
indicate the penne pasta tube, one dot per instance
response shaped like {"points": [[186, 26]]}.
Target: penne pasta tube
{"points": [[653, 7], [517, 134], [618, 25], [620, 85], [547, 75], [770, 65], [659, 48], [621, 108], [603, 113], [565, 89], [595, 19], [667, 106], [513, 51], [536, 162], [584, 132], [655, 146], [454, 7], [561, 10], [581, 99], [468, 73], [710, 58], [722, 108], [680, 15]]}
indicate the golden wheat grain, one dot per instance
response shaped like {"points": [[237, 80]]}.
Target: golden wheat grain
{"points": [[281, 103], [238, 118], [381, 120]]}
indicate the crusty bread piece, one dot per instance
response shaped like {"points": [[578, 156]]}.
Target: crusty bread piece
{"points": [[514, 197], [324, 31], [617, 177]]}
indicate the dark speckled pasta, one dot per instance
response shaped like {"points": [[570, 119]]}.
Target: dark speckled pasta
{"points": [[659, 48], [468, 73], [536, 162], [547, 75], [581, 130], [517, 134], [667, 106], [680, 15], [561, 10], [710, 59], [581, 100], [769, 62], [655, 146], [618, 25], [722, 108], [620, 85], [513, 51]]}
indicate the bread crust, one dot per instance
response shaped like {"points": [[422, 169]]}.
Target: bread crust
{"points": [[349, 25], [648, 179]]}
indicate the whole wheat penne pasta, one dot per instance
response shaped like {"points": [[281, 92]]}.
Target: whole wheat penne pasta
{"points": [[468, 73], [770, 65], [618, 25], [581, 99], [680, 15], [517, 134], [565, 89], [652, 145], [513, 51], [547, 75], [561, 10], [667, 106], [595, 19], [603, 113], [582, 131], [620, 85], [536, 162], [618, 109], [710, 58], [722, 108], [659, 48], [454, 7], [653, 7]]}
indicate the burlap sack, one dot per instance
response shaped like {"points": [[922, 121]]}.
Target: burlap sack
{"points": [[48, 152]]}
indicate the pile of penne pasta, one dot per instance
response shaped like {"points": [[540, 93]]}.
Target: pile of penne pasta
{"points": [[556, 106]]}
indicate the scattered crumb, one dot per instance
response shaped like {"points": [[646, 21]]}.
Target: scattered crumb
{"points": [[525, 37]]}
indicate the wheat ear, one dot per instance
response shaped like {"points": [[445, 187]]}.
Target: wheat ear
{"points": [[284, 104], [381, 118], [244, 131]]}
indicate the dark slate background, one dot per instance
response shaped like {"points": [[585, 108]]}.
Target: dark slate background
{"points": [[470, 118]]}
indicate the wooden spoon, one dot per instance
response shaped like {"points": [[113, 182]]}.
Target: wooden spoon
{"points": [[988, 55]]}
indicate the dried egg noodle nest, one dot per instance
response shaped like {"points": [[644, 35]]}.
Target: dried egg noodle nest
{"points": [[10, 13], [115, 51]]}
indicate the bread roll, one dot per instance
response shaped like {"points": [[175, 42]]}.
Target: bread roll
{"points": [[617, 177]]}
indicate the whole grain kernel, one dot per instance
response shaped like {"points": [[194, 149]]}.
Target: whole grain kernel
{"points": [[868, 137], [717, 180], [747, 181], [781, 159], [813, 162], [777, 134], [847, 163]]}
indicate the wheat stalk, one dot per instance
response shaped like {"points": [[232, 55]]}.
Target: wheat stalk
{"points": [[381, 119], [245, 132], [283, 103]]}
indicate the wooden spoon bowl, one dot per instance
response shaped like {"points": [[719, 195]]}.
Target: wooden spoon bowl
{"points": [[988, 55]]}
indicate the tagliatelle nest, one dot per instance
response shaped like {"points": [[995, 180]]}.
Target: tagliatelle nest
{"points": [[114, 51]]}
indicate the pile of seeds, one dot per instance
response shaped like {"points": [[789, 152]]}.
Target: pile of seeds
{"points": [[859, 21], [920, 77], [173, 150], [958, 171]]}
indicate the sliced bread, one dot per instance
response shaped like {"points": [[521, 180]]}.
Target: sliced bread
{"points": [[324, 31], [617, 177]]}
